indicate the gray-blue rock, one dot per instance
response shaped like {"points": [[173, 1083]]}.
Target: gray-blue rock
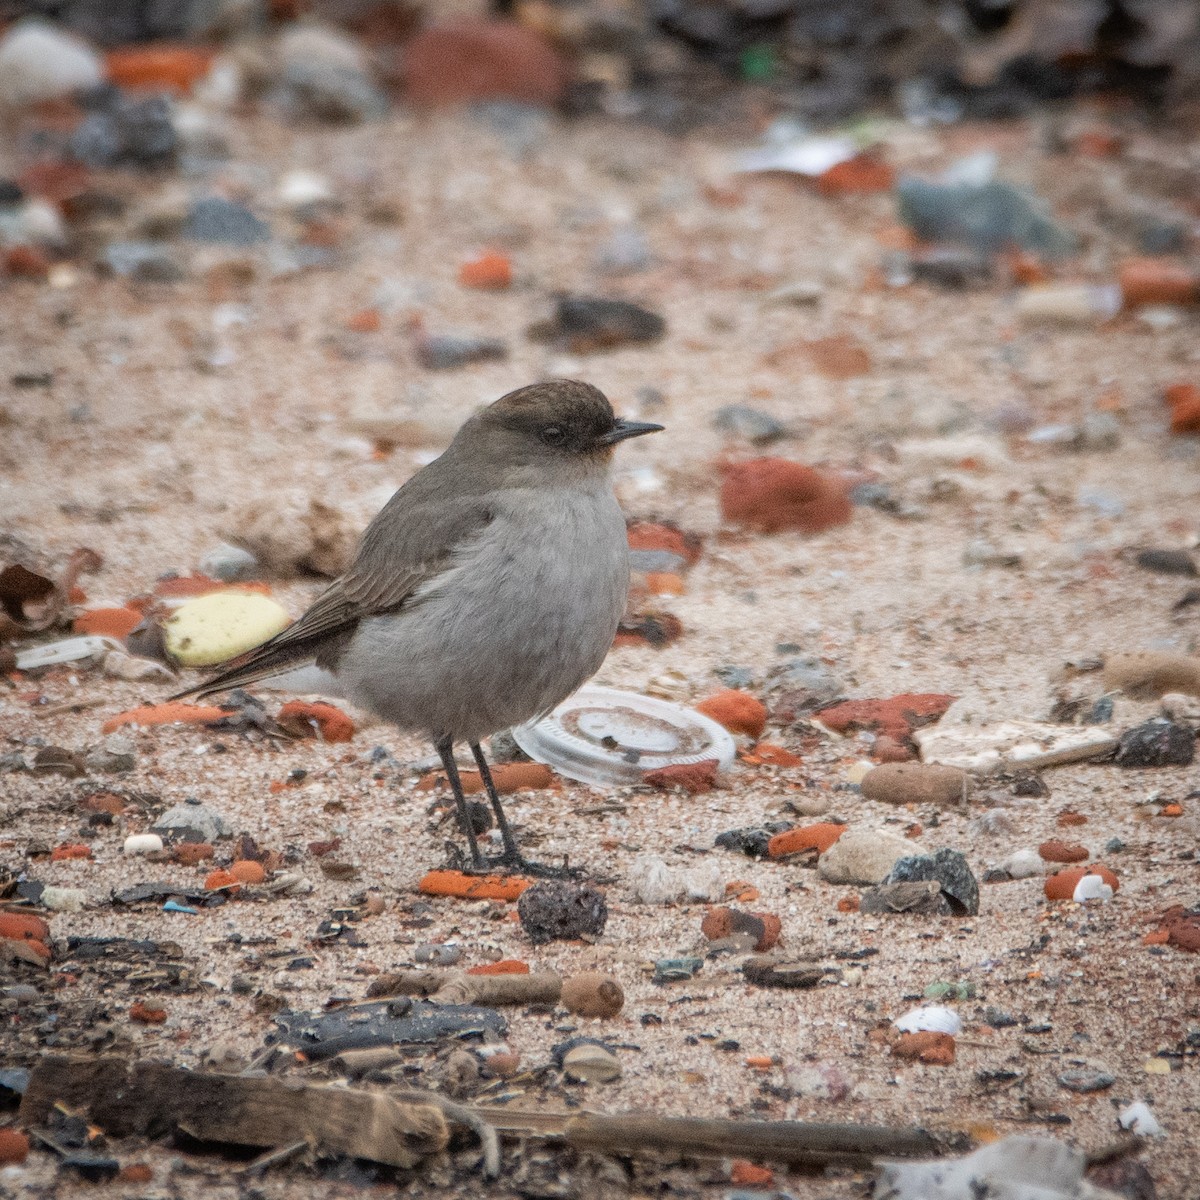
{"points": [[215, 219], [948, 868]]}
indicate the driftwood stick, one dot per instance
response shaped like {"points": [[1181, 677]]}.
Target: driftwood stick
{"points": [[795, 1142], [153, 1099], [457, 987]]}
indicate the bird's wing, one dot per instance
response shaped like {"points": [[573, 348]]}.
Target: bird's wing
{"points": [[404, 547]]}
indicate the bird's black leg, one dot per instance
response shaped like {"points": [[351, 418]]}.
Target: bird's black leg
{"points": [[512, 855], [445, 749]]}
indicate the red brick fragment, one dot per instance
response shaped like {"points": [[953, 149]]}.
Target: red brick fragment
{"points": [[692, 777], [895, 717], [936, 1049], [770, 495], [739, 712]]}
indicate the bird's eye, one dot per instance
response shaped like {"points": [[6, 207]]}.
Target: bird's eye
{"points": [[554, 435]]}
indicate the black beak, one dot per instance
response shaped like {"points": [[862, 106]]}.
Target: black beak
{"points": [[626, 429]]}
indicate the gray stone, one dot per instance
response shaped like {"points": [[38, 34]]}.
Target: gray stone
{"points": [[230, 564], [192, 821], [750, 423], [114, 756], [146, 262], [948, 868], [864, 856], [1086, 1080], [443, 352], [1157, 743], [217, 220]]}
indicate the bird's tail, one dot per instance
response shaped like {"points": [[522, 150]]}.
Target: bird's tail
{"points": [[260, 663]]}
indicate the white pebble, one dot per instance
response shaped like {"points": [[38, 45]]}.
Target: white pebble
{"points": [[1092, 887], [1024, 864], [1140, 1120], [64, 899], [930, 1018], [39, 62], [143, 843]]}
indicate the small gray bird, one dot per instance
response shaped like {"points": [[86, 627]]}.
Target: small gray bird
{"points": [[486, 590]]}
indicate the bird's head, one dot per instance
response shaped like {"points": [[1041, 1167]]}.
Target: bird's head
{"points": [[554, 424]]}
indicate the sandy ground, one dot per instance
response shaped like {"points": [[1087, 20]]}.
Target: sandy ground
{"points": [[134, 451]]}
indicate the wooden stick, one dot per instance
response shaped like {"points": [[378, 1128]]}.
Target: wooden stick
{"points": [[795, 1142], [457, 987], [152, 1098]]}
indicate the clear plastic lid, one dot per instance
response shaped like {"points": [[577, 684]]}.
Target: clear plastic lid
{"points": [[608, 738]]}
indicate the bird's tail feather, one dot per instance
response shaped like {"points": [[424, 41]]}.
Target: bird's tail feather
{"points": [[250, 667]]}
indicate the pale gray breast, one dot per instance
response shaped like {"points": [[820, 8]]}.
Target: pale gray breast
{"points": [[524, 615]]}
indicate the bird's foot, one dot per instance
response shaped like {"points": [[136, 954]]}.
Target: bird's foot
{"points": [[509, 863]]}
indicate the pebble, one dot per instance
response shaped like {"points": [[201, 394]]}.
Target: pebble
{"points": [[464, 59], [211, 629], [294, 533], [116, 755], [135, 669], [121, 129], [935, 1049], [1068, 303], [63, 899], [923, 898], [763, 928], [1023, 864], [770, 495], [675, 970], [324, 75], [225, 222], [737, 711], [779, 973], [1168, 562], [557, 910], [751, 840], [192, 853], [753, 424], [592, 994], [39, 62], [1062, 884], [1011, 745], [916, 783], [192, 821], [948, 868], [1157, 743], [653, 881], [1086, 1081], [438, 953], [1138, 1119], [1057, 851], [14, 1145], [586, 324], [444, 352], [589, 1063], [1092, 887], [1149, 674], [625, 252], [143, 843], [230, 564], [936, 1018], [145, 262], [864, 856]]}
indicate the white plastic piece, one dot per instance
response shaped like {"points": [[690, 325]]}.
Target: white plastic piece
{"points": [[1138, 1118], [143, 843], [1017, 1168], [608, 737], [1092, 887], [653, 881], [930, 1018], [804, 156], [1011, 745], [69, 650]]}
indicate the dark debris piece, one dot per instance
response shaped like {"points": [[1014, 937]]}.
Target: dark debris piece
{"points": [[160, 892], [751, 840], [1157, 743], [950, 869], [780, 973], [558, 910], [584, 324], [1167, 562], [393, 1022]]}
